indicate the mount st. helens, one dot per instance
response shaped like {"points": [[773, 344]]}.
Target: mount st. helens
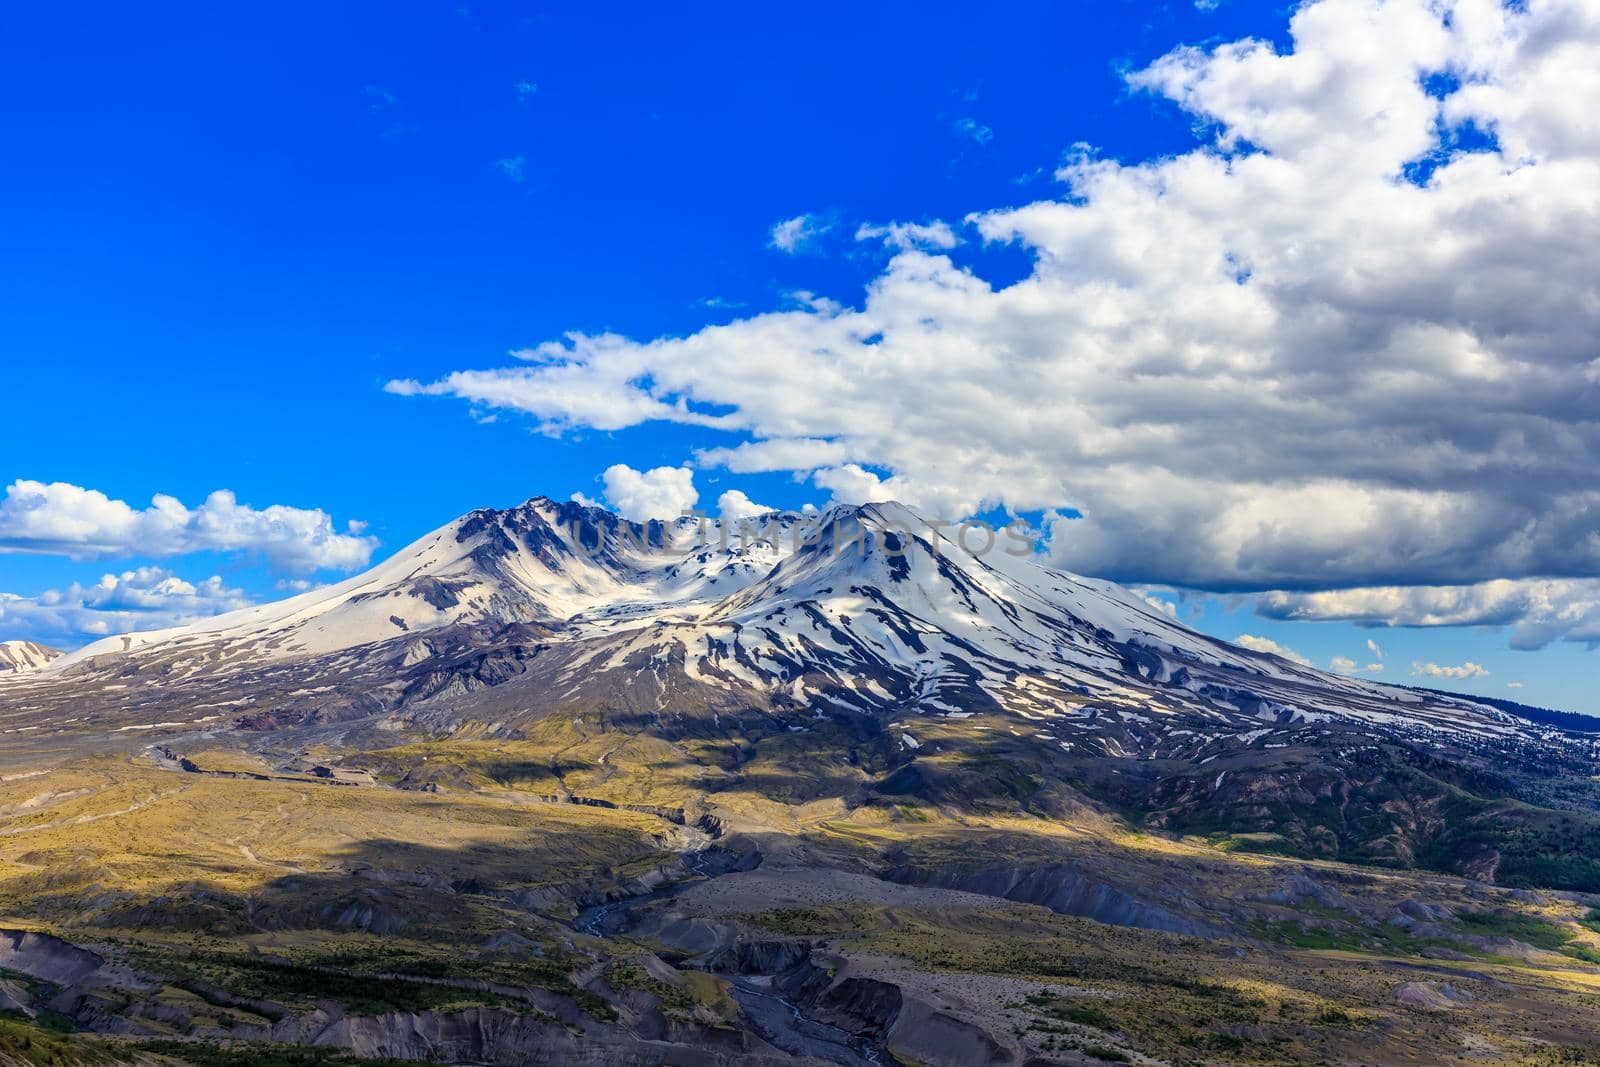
{"points": [[967, 679], [548, 786]]}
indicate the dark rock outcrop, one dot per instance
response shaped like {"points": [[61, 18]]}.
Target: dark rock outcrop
{"points": [[1060, 888]]}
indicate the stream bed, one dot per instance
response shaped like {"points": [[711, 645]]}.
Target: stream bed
{"points": [[778, 1019]]}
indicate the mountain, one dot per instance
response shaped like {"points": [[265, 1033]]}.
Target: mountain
{"points": [[551, 786], [19, 657], [866, 618], [862, 609]]}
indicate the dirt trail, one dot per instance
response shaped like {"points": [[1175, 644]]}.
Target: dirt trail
{"points": [[82, 820]]}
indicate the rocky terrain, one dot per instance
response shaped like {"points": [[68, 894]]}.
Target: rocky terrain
{"points": [[548, 786]]}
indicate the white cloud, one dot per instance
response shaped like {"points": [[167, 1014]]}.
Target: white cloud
{"points": [[1268, 645], [1165, 607], [853, 484], [1434, 670], [794, 235], [905, 235], [1538, 610], [513, 168], [776, 455], [660, 493], [144, 599], [1374, 648], [974, 130], [1513, 685], [1316, 351], [67, 520], [735, 505], [1346, 665]]}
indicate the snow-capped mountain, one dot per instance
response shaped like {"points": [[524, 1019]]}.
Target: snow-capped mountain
{"points": [[870, 611], [20, 657], [864, 646]]}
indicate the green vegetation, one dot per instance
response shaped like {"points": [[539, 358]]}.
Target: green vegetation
{"points": [[259, 1054], [1538, 847], [1111, 989], [627, 974], [26, 1042], [1540, 933], [359, 994], [812, 922], [370, 976], [1383, 805], [1350, 935], [552, 970]]}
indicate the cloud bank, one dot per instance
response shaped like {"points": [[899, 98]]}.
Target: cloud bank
{"points": [[144, 599], [1455, 674], [1540, 611], [67, 520]]}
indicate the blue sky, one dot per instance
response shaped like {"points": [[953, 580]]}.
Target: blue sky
{"points": [[226, 230]]}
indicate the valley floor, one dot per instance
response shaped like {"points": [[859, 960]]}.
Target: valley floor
{"points": [[588, 895]]}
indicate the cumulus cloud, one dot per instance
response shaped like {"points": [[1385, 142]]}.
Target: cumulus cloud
{"points": [[1538, 610], [735, 505], [148, 598], [1268, 645], [1346, 665], [1461, 673], [1165, 607], [905, 235], [852, 483], [1320, 350], [793, 235], [660, 493], [68, 520]]}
